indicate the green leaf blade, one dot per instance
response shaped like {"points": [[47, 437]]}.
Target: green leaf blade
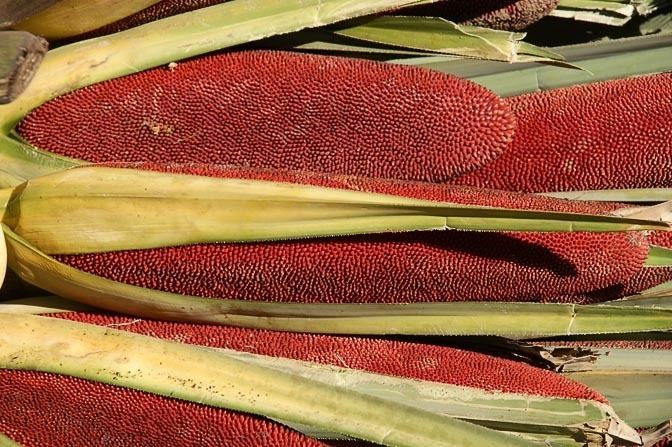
{"points": [[442, 36], [207, 376], [513, 320]]}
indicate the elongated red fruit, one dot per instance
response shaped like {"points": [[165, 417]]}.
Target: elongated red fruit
{"points": [[607, 135], [645, 278], [282, 110], [51, 410], [498, 14], [48, 410], [387, 268]]}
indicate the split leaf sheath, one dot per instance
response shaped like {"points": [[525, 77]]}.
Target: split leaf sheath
{"points": [[216, 378], [467, 380], [107, 209], [71, 20]]}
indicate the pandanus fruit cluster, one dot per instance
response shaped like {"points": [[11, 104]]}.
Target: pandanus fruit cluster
{"points": [[263, 247]]}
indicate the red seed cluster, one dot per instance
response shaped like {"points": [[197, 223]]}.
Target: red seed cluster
{"points": [[282, 110], [391, 357], [663, 442], [646, 278], [651, 276], [48, 410], [498, 14], [39, 409], [387, 268], [614, 134], [390, 268]]}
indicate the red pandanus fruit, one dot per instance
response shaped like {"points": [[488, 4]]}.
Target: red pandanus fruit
{"points": [[269, 109], [606, 135], [429, 266], [48, 409], [646, 278], [654, 275]]}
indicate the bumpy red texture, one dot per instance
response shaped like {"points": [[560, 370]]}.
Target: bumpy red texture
{"points": [[663, 443], [651, 276], [47, 410], [614, 134], [282, 110], [41, 409], [646, 278], [391, 357], [388, 268], [395, 268], [498, 14]]}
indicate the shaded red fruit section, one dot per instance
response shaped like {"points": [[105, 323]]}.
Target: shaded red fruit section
{"points": [[663, 443], [396, 268], [13, 288], [47, 410], [282, 110], [646, 278], [497, 14], [387, 268], [614, 134]]}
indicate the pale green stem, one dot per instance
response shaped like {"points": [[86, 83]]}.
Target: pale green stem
{"points": [[72, 17], [96, 209], [5, 441], [514, 320], [211, 377], [637, 382]]}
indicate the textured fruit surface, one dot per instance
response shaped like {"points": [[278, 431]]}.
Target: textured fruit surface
{"points": [[614, 134], [282, 110], [387, 268], [41, 409], [651, 276], [396, 268], [497, 14], [646, 278], [392, 357], [47, 410]]}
